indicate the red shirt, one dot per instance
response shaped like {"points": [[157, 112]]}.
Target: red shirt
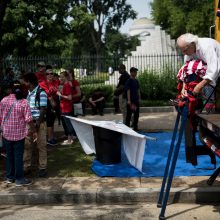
{"points": [[66, 105], [75, 83], [40, 76], [15, 127], [50, 87]]}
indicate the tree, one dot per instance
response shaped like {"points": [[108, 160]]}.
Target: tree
{"points": [[112, 13], [35, 27], [181, 16], [120, 44], [61, 27], [3, 6]]}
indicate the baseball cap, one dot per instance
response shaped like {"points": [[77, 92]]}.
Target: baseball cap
{"points": [[133, 69], [49, 71], [41, 63]]}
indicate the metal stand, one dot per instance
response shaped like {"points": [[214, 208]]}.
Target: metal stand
{"points": [[171, 160]]}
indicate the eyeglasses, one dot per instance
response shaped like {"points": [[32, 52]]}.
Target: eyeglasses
{"points": [[49, 74]]}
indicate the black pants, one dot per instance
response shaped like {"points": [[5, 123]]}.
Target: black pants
{"points": [[116, 103], [135, 118], [99, 107]]}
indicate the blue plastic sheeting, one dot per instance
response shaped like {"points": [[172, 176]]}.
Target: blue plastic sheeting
{"points": [[154, 163]]}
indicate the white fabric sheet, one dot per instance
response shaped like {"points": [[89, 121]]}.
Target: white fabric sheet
{"points": [[134, 143]]}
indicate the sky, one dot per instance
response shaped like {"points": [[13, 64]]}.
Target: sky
{"points": [[142, 7]]}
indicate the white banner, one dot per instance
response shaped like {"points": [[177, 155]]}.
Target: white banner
{"points": [[133, 142]]}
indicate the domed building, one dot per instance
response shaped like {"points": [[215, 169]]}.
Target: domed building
{"points": [[156, 50], [153, 39]]}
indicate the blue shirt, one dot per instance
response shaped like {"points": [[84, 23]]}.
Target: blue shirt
{"points": [[34, 105]]}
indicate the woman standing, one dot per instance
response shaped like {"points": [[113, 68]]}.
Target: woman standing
{"points": [[66, 106], [76, 92], [50, 86], [15, 114]]}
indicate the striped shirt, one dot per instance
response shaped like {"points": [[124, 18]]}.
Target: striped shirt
{"points": [[197, 67], [15, 126], [34, 105]]}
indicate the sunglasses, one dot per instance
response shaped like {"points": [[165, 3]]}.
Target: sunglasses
{"points": [[49, 74]]}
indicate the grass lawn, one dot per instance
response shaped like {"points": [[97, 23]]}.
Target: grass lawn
{"points": [[69, 161], [63, 161]]}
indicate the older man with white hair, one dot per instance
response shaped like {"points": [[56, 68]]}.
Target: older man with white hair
{"points": [[205, 49]]}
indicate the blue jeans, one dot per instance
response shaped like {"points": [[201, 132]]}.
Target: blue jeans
{"points": [[14, 161], [67, 125]]}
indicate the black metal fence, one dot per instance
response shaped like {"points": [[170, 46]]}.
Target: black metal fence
{"points": [[95, 69]]}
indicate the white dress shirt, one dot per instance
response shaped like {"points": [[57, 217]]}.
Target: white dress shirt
{"points": [[208, 50]]}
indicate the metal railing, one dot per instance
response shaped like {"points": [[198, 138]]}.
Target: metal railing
{"points": [[93, 69]]}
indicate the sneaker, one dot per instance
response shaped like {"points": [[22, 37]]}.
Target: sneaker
{"points": [[23, 182], [4, 155], [42, 173], [66, 142], [9, 181], [52, 142]]}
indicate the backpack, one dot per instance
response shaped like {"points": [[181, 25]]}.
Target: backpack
{"points": [[37, 96]]}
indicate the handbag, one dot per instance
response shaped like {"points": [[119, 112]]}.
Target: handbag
{"points": [[77, 108], [53, 103], [5, 120]]}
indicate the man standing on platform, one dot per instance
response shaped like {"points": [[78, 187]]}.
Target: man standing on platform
{"points": [[205, 49]]}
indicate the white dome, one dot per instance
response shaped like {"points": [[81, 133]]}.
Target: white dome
{"points": [[141, 26]]}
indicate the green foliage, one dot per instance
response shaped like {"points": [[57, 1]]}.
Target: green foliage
{"points": [[120, 44], [181, 16], [94, 79], [60, 27], [158, 86]]}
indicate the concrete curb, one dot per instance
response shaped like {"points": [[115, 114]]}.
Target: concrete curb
{"points": [[109, 196]]}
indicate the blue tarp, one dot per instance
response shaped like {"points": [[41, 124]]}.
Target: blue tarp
{"points": [[154, 163]]}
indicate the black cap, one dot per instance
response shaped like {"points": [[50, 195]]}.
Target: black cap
{"points": [[133, 69]]}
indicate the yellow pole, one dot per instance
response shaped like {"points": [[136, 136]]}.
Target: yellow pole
{"points": [[217, 23], [217, 37]]}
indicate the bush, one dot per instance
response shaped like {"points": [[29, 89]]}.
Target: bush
{"points": [[159, 86], [94, 79]]}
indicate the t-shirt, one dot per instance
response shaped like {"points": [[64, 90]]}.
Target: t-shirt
{"points": [[65, 104], [96, 95], [34, 105], [50, 87], [122, 80], [133, 86], [40, 76], [75, 83]]}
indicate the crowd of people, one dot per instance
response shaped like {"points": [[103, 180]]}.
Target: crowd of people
{"points": [[28, 109]]}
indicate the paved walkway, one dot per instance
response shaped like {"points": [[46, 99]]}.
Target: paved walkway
{"points": [[113, 190]]}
